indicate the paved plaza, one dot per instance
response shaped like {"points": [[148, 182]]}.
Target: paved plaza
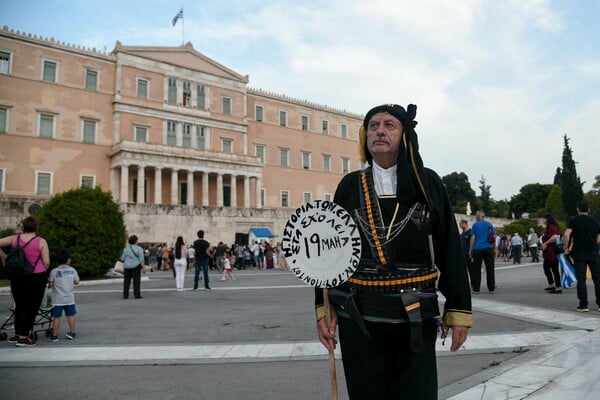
{"points": [[255, 338]]}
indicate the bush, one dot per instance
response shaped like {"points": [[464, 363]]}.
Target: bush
{"points": [[89, 224], [522, 226]]}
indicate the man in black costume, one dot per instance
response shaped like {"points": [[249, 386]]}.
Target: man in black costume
{"points": [[387, 311]]}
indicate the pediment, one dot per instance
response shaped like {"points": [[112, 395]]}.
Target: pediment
{"points": [[184, 56]]}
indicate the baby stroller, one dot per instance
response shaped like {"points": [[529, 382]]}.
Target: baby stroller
{"points": [[42, 323]]}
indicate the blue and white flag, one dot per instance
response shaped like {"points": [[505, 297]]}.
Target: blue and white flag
{"points": [[567, 271], [179, 15]]}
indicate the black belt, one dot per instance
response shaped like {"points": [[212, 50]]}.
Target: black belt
{"points": [[410, 306], [393, 279]]}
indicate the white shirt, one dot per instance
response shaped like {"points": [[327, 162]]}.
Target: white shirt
{"points": [[385, 180]]}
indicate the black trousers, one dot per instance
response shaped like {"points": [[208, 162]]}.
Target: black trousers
{"points": [[28, 294], [552, 273], [487, 256], [136, 275], [581, 262], [384, 367]]}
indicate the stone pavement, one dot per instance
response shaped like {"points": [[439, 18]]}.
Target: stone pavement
{"points": [[527, 344]]}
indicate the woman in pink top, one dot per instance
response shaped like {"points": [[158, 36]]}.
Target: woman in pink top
{"points": [[29, 291]]}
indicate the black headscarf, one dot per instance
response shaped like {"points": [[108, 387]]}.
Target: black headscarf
{"points": [[411, 175]]}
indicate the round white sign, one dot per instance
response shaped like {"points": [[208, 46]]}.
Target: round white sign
{"points": [[321, 244]]}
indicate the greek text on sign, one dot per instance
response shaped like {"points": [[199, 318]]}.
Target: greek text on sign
{"points": [[321, 244]]}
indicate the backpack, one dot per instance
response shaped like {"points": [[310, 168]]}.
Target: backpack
{"points": [[17, 265], [490, 235]]}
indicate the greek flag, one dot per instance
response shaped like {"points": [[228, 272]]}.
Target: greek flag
{"points": [[567, 271], [179, 15]]}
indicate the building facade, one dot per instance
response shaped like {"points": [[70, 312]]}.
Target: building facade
{"points": [[182, 142]]}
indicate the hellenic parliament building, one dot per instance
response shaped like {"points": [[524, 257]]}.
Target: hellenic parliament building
{"points": [[182, 142]]}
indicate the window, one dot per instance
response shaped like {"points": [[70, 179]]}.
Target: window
{"points": [[227, 145], [283, 157], [186, 139], [187, 94], [3, 119], [226, 105], [172, 91], [200, 137], [326, 162], [327, 197], [259, 151], [282, 118], [5, 62], [89, 131], [46, 126], [325, 127], [285, 198], [49, 71], [200, 98], [2, 180], [91, 79], [258, 113], [141, 134], [142, 88], [43, 183], [263, 196], [171, 133], [87, 181], [306, 197], [305, 160], [304, 122], [345, 165], [344, 131]]}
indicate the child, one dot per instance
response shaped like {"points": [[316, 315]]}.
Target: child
{"points": [[227, 267], [61, 280]]}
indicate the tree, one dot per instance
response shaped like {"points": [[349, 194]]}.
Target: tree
{"points": [[554, 202], [89, 224], [531, 198], [593, 198], [459, 191], [570, 184], [522, 226], [485, 195], [499, 208]]}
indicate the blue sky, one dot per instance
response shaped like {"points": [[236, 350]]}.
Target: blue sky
{"points": [[497, 84]]}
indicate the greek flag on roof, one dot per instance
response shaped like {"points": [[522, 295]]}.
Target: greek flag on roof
{"points": [[179, 15]]}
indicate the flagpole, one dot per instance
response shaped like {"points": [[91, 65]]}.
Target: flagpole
{"points": [[182, 26]]}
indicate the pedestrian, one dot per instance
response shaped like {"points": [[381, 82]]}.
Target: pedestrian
{"points": [[550, 264], [532, 242], [179, 263], [28, 291], [465, 241], [191, 253], [133, 263], [516, 243], [227, 267], [581, 241], [62, 280], [482, 249], [388, 336], [201, 247], [268, 252]]}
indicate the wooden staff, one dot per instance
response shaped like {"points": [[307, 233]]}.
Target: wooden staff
{"points": [[332, 373]]}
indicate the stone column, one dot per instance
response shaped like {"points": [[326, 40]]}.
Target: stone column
{"points": [[114, 183], [258, 187], [157, 185], [140, 185], [174, 185], [219, 190], [246, 191], [190, 188], [124, 192], [233, 191], [205, 189]]}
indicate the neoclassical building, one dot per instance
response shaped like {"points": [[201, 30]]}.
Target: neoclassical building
{"points": [[182, 142]]}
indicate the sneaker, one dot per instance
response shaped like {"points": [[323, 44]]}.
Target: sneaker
{"points": [[53, 338], [555, 290], [13, 339], [70, 335], [25, 342], [582, 309]]}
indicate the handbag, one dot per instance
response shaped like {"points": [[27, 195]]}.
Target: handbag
{"points": [[17, 265], [119, 267], [559, 246]]}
